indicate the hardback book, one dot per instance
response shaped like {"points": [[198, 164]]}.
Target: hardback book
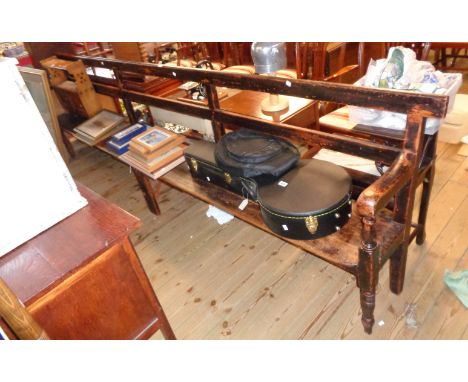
{"points": [[127, 134], [160, 161], [139, 153], [93, 141], [153, 139], [116, 148], [99, 125], [131, 161]]}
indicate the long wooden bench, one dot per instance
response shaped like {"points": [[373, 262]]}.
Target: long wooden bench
{"points": [[381, 226]]}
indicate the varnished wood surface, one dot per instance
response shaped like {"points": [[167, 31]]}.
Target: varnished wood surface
{"points": [[340, 249], [17, 317], [248, 102], [102, 300], [398, 181], [237, 282], [81, 279], [32, 268]]}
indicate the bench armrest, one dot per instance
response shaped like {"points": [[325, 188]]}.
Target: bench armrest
{"points": [[378, 194]]}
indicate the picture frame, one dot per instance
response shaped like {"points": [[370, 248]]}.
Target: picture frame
{"points": [[38, 85], [104, 121], [39, 190], [154, 138]]}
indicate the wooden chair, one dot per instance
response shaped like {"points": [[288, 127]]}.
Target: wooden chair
{"points": [[381, 226], [18, 319], [133, 51], [442, 55], [92, 49], [238, 59], [421, 48], [330, 64]]}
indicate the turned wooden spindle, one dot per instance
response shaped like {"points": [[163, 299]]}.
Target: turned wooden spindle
{"points": [[17, 317], [368, 272]]}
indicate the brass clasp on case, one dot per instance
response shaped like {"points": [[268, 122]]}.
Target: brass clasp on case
{"points": [[311, 223], [194, 164], [227, 178]]}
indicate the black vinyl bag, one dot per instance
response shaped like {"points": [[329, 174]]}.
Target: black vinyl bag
{"points": [[252, 154]]}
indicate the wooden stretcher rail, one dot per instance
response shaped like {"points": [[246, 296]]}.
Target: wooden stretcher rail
{"points": [[147, 99], [397, 101], [347, 144], [350, 145]]}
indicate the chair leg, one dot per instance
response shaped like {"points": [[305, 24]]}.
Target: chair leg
{"points": [[367, 306], [398, 268], [425, 196], [368, 273]]}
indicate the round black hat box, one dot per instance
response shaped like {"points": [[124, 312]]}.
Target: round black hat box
{"points": [[308, 202]]}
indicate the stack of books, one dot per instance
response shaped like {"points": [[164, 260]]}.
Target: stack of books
{"points": [[119, 142], [99, 127], [155, 149]]}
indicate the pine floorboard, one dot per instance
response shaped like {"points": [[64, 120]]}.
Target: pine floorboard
{"points": [[237, 282]]}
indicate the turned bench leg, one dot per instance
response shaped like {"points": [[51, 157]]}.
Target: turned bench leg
{"points": [[368, 273], [425, 196]]}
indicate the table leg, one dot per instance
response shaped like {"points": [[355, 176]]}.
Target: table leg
{"points": [[150, 189]]}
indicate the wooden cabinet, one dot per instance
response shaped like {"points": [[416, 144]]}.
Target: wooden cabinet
{"points": [[81, 279]]}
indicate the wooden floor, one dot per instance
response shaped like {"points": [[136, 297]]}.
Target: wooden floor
{"points": [[237, 282]]}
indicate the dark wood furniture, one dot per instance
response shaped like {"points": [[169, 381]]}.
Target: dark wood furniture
{"points": [[141, 52], [39, 51], [420, 48], [301, 111], [381, 228], [15, 315], [458, 50], [81, 279]]}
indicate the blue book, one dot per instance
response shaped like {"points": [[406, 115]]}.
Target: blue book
{"points": [[118, 149], [128, 133]]}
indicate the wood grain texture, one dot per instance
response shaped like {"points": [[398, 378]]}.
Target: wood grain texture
{"points": [[81, 279], [398, 101], [409, 166], [249, 103], [340, 249], [99, 301], [190, 257], [17, 317], [34, 267]]}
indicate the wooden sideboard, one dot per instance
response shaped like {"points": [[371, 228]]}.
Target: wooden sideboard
{"points": [[82, 279]]}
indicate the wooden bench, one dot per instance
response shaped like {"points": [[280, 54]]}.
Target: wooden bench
{"points": [[381, 228]]}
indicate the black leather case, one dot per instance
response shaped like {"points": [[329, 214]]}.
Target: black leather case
{"points": [[200, 158], [310, 201]]}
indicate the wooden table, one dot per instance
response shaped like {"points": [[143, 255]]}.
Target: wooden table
{"points": [[82, 279], [301, 111]]}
